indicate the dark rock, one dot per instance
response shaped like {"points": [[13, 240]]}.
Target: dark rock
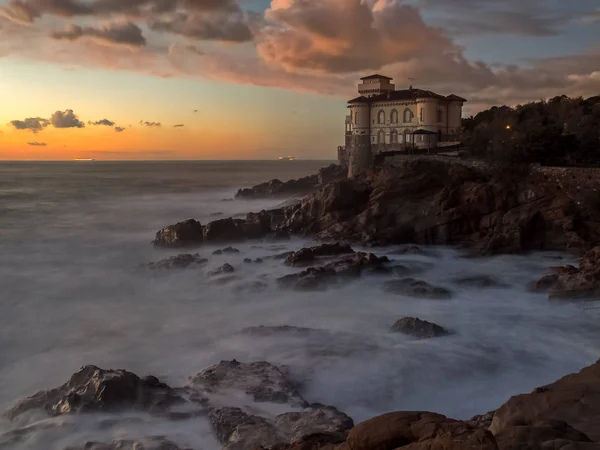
{"points": [[263, 381], [226, 251], [225, 280], [178, 262], [94, 389], [224, 269], [419, 328], [264, 331], [482, 420], [411, 250], [417, 431], [186, 233], [247, 261], [309, 255], [319, 278], [479, 281], [151, 443], [250, 261], [416, 288], [542, 435], [252, 287]]}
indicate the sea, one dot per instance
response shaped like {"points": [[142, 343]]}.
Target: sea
{"points": [[75, 239]]}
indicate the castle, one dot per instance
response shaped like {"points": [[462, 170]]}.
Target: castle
{"points": [[384, 120]]}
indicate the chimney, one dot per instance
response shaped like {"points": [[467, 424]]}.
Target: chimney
{"points": [[389, 95]]}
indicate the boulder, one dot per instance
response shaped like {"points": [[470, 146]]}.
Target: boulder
{"points": [[150, 443], [417, 288], [178, 262], [417, 431], [224, 269], [93, 389], [319, 278], [418, 328], [255, 261], [226, 251], [543, 435], [573, 400], [309, 255], [262, 381], [182, 234], [568, 282]]}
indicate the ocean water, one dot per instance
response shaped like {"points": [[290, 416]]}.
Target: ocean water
{"points": [[73, 237]]}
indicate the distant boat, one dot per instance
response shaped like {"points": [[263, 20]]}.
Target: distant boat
{"points": [[75, 158], [287, 158]]}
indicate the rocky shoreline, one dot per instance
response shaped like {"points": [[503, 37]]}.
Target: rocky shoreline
{"points": [[417, 203]]}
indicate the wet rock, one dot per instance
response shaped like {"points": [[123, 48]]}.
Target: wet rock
{"points": [[319, 278], [417, 288], [411, 250], [182, 234], [568, 282], [418, 328], [263, 381], [224, 269], [93, 389], [250, 261], [226, 251], [150, 443], [252, 287], [418, 431], [178, 262], [322, 420], [225, 280], [573, 399], [479, 281], [309, 255]]}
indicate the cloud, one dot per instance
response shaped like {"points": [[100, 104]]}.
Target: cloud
{"points": [[37, 144], [33, 124], [66, 119], [227, 27], [127, 34], [150, 124], [105, 122], [179, 125], [119, 129]]}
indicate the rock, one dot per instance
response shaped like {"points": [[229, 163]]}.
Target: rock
{"points": [[225, 280], [182, 234], [417, 431], [224, 269], [287, 330], [263, 381], [416, 288], [482, 420], [237, 430], [94, 389], [479, 281], [178, 262], [319, 278], [226, 251], [411, 250], [543, 435], [250, 261], [419, 328], [569, 282], [151, 443], [309, 255], [573, 400], [252, 287], [302, 186]]}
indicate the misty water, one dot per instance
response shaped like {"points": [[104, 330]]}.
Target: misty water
{"points": [[73, 237]]}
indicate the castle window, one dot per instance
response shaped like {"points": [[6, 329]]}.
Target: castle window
{"points": [[394, 137], [422, 115], [408, 115], [381, 137], [381, 117], [356, 117], [440, 115], [394, 116]]}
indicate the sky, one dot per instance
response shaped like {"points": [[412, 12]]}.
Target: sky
{"points": [[256, 79]]}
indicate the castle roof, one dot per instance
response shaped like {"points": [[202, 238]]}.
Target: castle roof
{"points": [[373, 77], [405, 94]]}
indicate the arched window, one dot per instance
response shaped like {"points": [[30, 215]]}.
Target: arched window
{"points": [[394, 116], [406, 137], [408, 115], [422, 115], [394, 137], [381, 117], [381, 137]]}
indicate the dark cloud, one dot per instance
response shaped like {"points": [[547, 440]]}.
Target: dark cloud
{"points": [[37, 144], [227, 27], [150, 124], [128, 34], [33, 124], [105, 122], [119, 129], [66, 119], [179, 125]]}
